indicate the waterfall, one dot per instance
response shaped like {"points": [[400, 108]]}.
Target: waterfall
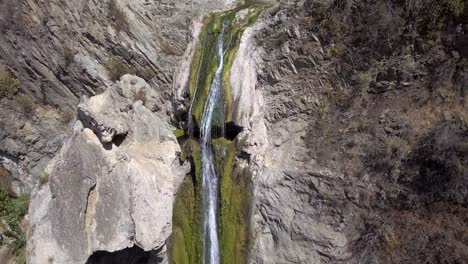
{"points": [[209, 177]]}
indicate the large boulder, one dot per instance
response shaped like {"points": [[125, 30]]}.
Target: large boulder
{"points": [[112, 185]]}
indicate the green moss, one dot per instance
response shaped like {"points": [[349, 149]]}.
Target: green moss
{"points": [[186, 243], [186, 246], [206, 61], [234, 203], [179, 132]]}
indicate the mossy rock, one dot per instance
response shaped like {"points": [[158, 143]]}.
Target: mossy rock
{"points": [[234, 203], [206, 60], [234, 186], [186, 245]]}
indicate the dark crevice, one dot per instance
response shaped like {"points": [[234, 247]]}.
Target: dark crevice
{"points": [[134, 255], [119, 139], [229, 131], [244, 155]]}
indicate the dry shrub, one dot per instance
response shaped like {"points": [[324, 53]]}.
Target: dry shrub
{"points": [[118, 17], [5, 178], [66, 116], [26, 105], [9, 85], [43, 178], [397, 147], [147, 73], [117, 67], [170, 49]]}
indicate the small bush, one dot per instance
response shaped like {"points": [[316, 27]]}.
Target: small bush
{"points": [[66, 117], [146, 73], [337, 50], [116, 68], [118, 17], [178, 132], [360, 125], [5, 178], [170, 49], [25, 104], [9, 85], [333, 25], [43, 178], [397, 147], [12, 211], [68, 56]]}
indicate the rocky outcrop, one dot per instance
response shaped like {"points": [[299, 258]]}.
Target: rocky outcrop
{"points": [[112, 185], [61, 51], [343, 119]]}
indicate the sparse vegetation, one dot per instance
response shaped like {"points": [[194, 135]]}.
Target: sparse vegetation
{"points": [[178, 132], [9, 85], [26, 104], [66, 116], [169, 49], [360, 125], [397, 147], [337, 50], [5, 178], [12, 211], [118, 17], [146, 73], [43, 178], [68, 56], [117, 67]]}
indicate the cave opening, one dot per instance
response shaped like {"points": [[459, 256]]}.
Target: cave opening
{"points": [[133, 255], [229, 131]]}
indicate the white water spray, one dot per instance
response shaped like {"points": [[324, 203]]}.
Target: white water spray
{"points": [[209, 177]]}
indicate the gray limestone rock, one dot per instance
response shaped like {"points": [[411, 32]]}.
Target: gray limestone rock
{"points": [[108, 191]]}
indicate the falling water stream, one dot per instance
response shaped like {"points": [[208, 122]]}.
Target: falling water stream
{"points": [[211, 211], [209, 177]]}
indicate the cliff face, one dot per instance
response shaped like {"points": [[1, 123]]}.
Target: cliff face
{"points": [[62, 50], [359, 149]]}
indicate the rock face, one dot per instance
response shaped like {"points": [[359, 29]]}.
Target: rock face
{"points": [[342, 150], [113, 182], [61, 51]]}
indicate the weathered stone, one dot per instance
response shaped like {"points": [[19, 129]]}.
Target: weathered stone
{"points": [[108, 194]]}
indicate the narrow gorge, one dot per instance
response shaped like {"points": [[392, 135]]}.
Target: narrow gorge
{"points": [[212, 208]]}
